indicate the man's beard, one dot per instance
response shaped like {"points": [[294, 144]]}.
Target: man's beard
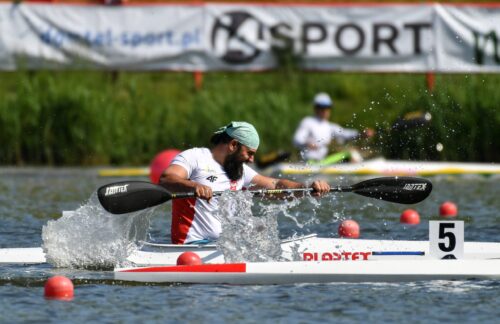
{"points": [[233, 166]]}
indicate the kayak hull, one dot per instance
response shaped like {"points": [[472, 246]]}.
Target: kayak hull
{"points": [[269, 273]]}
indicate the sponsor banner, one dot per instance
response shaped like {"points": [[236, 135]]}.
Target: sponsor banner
{"points": [[243, 37], [395, 38], [468, 38], [36, 36]]}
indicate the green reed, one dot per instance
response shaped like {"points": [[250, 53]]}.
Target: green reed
{"points": [[91, 118]]}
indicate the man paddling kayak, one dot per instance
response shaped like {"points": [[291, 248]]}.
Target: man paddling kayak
{"points": [[315, 133], [222, 167]]}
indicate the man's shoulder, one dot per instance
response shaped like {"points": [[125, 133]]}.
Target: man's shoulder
{"points": [[196, 151], [309, 120], [192, 156]]}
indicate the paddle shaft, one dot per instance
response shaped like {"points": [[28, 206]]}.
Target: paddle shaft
{"points": [[181, 195]]}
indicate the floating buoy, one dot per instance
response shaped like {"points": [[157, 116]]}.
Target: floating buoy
{"points": [[410, 217], [160, 162], [189, 258], [349, 229], [59, 287], [448, 209]]}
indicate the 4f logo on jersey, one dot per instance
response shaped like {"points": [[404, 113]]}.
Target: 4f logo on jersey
{"points": [[211, 178]]}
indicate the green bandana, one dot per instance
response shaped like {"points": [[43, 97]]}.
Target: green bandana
{"points": [[243, 132]]}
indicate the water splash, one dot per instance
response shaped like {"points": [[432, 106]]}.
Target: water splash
{"points": [[289, 208], [90, 237], [244, 237], [275, 209]]}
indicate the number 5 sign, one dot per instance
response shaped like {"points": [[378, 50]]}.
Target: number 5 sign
{"points": [[446, 239]]}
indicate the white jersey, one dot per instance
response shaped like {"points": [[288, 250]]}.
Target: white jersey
{"points": [[313, 130], [194, 219]]}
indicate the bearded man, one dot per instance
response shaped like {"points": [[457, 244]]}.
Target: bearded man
{"points": [[223, 167]]}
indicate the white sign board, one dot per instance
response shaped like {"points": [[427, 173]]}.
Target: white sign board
{"points": [[446, 239], [247, 37]]}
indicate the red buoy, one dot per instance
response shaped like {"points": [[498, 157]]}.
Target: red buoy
{"points": [[189, 258], [160, 162], [410, 217], [448, 209], [59, 287], [349, 229]]}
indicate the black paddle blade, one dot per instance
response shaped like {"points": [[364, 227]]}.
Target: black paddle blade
{"points": [[402, 190], [129, 196]]}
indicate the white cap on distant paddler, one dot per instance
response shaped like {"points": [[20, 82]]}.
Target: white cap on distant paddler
{"points": [[322, 100], [243, 132]]}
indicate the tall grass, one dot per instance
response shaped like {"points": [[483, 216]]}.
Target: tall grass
{"points": [[466, 121], [90, 118]]}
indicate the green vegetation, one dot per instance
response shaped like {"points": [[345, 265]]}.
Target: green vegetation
{"points": [[89, 118]]}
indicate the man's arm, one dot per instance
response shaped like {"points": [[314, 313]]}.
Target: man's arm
{"points": [[301, 135], [175, 179], [320, 187], [343, 134], [301, 138]]}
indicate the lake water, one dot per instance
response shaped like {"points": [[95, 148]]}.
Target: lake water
{"points": [[29, 198]]}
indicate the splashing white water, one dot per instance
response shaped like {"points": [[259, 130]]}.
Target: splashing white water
{"points": [[244, 237], [90, 237]]}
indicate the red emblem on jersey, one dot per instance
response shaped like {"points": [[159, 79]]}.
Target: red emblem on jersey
{"points": [[232, 185]]}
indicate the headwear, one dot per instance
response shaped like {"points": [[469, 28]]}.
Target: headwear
{"points": [[322, 100], [243, 132]]}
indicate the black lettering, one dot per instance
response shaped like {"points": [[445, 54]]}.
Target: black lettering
{"points": [[479, 51], [417, 28], [452, 241], [389, 39], [361, 39], [449, 257], [306, 40], [281, 35]]}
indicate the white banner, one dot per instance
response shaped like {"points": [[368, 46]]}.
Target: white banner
{"points": [[83, 36], [206, 37], [468, 38]]}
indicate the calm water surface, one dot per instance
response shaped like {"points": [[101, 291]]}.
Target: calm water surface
{"points": [[31, 197]]}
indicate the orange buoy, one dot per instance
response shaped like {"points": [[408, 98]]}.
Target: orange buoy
{"points": [[59, 287], [160, 162], [189, 258], [349, 229], [448, 209], [410, 217]]}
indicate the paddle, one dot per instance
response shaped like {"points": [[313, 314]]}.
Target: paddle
{"points": [[271, 158], [129, 196]]}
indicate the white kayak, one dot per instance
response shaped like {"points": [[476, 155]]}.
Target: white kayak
{"points": [[388, 167], [265, 273], [307, 248]]}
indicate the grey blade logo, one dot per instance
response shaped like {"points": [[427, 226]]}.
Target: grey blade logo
{"points": [[415, 186]]}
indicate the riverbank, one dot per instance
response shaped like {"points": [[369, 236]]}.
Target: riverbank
{"points": [[97, 118]]}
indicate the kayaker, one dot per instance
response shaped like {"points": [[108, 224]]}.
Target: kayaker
{"points": [[315, 133], [222, 167]]}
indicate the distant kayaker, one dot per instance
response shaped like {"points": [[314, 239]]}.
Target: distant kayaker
{"points": [[222, 167], [315, 133]]}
